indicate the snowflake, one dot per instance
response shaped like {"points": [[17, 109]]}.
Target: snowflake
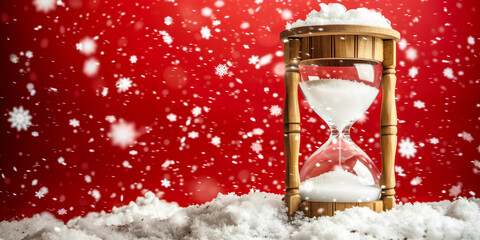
{"points": [[193, 134], [257, 131], [122, 133], [215, 141], [258, 1], [196, 111], [95, 194], [90, 67], [61, 161], [62, 211], [104, 91], [123, 84], [14, 58], [35, 133], [448, 73], [172, 117], [29, 54], [476, 163], [416, 181], [44, 5], [221, 70], [275, 110], [41, 193], [471, 40], [466, 136], [20, 118], [87, 46], [407, 148], [133, 59], [256, 147], [166, 37], [110, 118], [413, 71], [168, 20], [166, 183], [454, 191], [205, 32], [419, 104], [402, 44], [411, 54], [434, 140], [253, 60], [74, 122], [400, 171]]}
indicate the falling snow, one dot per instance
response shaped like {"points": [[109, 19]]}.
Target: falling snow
{"points": [[205, 32], [123, 84], [275, 110], [407, 148], [419, 104], [20, 118], [221, 70]]}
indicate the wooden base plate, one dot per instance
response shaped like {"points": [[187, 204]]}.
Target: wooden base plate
{"points": [[317, 209]]}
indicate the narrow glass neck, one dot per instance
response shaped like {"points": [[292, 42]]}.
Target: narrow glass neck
{"points": [[336, 133]]}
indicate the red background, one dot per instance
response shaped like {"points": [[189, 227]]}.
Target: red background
{"points": [[237, 103]]}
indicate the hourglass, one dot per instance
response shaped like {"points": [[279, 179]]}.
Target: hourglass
{"points": [[339, 69]]}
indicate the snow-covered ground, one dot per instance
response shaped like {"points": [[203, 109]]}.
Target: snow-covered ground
{"points": [[254, 216]]}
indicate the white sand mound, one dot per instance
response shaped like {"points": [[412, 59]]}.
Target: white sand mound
{"points": [[336, 13], [254, 216]]}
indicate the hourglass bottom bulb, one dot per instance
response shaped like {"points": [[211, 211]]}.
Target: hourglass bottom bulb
{"points": [[340, 172]]}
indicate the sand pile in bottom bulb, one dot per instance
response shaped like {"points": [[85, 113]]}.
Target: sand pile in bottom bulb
{"points": [[254, 216], [339, 185]]}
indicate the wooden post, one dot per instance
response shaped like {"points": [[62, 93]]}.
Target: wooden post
{"points": [[388, 120], [291, 127]]}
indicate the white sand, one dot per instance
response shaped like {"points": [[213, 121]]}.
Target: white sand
{"points": [[337, 101], [341, 186], [254, 216], [336, 13]]}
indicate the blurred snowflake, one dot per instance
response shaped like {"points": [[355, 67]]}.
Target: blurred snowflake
{"points": [[416, 181], [20, 118], [454, 191], [407, 148], [205, 32], [411, 54], [168, 20], [400, 171], [256, 147], [193, 134], [42, 192], [196, 111], [44, 5], [275, 110], [87, 46], [412, 72], [419, 104], [253, 60], [448, 73], [62, 211], [466, 136], [216, 141], [221, 70], [471, 40], [133, 59], [122, 133], [123, 84], [74, 122], [434, 140], [165, 183], [172, 117]]}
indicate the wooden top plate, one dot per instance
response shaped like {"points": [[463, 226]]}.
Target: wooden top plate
{"points": [[340, 29]]}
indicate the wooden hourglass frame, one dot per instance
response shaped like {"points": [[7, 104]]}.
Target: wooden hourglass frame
{"points": [[338, 42]]}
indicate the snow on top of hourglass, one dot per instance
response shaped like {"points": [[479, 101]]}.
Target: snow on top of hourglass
{"points": [[336, 13]]}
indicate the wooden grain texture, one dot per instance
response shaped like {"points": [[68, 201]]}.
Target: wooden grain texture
{"points": [[340, 29], [291, 120], [364, 47], [344, 46], [388, 121], [318, 209]]}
